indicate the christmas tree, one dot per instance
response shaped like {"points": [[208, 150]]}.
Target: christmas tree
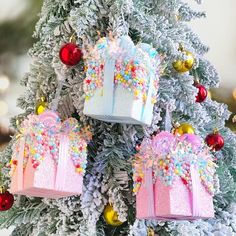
{"points": [[108, 186]]}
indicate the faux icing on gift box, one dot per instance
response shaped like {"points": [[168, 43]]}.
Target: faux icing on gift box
{"points": [[121, 81], [174, 178], [49, 157]]}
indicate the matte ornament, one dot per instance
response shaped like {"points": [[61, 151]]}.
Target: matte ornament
{"points": [[202, 93], [111, 216], [184, 66], [215, 141], [6, 200], [185, 128], [41, 106], [70, 54]]}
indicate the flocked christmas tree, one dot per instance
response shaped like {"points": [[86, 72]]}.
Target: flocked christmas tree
{"points": [[108, 186]]}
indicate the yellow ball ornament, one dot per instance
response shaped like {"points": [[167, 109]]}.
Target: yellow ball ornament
{"points": [[185, 128], [151, 232], [111, 216], [184, 66], [41, 106], [209, 94]]}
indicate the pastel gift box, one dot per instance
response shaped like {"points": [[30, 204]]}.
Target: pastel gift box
{"points": [[121, 81], [174, 190], [49, 158]]}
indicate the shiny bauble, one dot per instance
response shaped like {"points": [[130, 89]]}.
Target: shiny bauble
{"points": [[150, 232], [111, 216], [215, 141], [70, 54], [41, 106], [183, 66], [209, 94], [202, 93], [138, 147], [6, 200], [185, 128]]}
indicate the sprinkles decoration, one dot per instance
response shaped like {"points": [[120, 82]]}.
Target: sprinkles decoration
{"points": [[171, 157], [42, 139], [132, 70]]}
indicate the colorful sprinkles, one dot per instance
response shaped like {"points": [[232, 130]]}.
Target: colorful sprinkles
{"points": [[134, 69], [171, 157], [42, 139]]}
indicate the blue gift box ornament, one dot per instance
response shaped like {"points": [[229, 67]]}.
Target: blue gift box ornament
{"points": [[121, 81]]}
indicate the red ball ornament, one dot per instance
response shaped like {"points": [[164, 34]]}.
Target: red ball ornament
{"points": [[138, 147], [202, 93], [6, 201], [215, 141], [70, 54]]}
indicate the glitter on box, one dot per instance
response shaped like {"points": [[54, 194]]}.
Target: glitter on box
{"points": [[172, 156]]}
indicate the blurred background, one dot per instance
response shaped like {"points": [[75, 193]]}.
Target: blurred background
{"points": [[17, 21]]}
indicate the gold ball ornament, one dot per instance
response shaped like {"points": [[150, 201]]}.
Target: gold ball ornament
{"points": [[185, 128], [111, 216], [41, 106], [150, 232], [209, 94], [184, 66]]}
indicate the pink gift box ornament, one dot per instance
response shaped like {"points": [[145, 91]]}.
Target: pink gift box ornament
{"points": [[174, 178], [49, 158]]}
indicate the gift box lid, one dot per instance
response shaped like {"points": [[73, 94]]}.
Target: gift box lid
{"points": [[171, 156], [42, 135]]}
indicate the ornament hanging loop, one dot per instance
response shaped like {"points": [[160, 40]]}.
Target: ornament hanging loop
{"points": [[168, 124], [181, 47], [125, 24], [73, 38], [60, 80], [215, 131], [43, 99], [2, 187]]}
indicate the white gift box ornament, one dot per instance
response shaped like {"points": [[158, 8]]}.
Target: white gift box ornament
{"points": [[121, 81]]}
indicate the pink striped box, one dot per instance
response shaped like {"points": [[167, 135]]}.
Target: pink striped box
{"points": [[174, 178], [176, 202]]}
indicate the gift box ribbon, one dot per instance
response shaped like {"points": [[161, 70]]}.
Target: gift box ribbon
{"points": [[196, 184], [148, 183], [20, 163], [195, 195], [62, 162]]}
